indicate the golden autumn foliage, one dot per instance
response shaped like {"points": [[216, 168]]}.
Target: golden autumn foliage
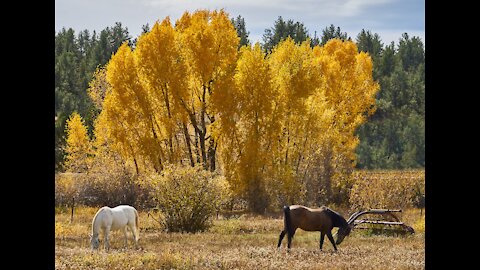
{"points": [[348, 88], [120, 122], [279, 126], [162, 75], [161, 93], [78, 144], [98, 87], [293, 139], [209, 48], [209, 43], [245, 127], [348, 85]]}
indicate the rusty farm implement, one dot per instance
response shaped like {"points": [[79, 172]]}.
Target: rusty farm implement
{"points": [[385, 218]]}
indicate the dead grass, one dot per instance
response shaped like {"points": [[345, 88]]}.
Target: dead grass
{"points": [[244, 243]]}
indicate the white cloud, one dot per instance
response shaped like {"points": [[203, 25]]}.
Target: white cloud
{"points": [[350, 8], [328, 8], [385, 17]]}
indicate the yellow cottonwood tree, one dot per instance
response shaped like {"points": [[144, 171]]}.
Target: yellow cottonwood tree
{"points": [[209, 45], [162, 73], [128, 112], [247, 130], [294, 78], [171, 86], [348, 88], [78, 147]]}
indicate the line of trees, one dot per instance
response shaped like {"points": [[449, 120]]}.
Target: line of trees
{"points": [[392, 138], [284, 121]]}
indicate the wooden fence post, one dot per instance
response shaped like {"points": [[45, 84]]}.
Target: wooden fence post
{"points": [[73, 205]]}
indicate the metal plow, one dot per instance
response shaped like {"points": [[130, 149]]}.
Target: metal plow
{"points": [[385, 217]]}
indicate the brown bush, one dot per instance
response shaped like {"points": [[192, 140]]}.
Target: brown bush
{"points": [[387, 189], [65, 188], [108, 185]]}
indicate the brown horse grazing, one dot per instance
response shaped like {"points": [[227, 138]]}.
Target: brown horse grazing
{"points": [[322, 219]]}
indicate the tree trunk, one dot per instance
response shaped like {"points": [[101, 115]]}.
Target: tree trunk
{"points": [[212, 149], [169, 115], [211, 154], [197, 149], [160, 163], [189, 147], [136, 165], [203, 133], [170, 145], [202, 149]]}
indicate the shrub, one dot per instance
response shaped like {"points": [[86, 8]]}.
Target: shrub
{"points": [[65, 188], [108, 184], [188, 197], [387, 189]]}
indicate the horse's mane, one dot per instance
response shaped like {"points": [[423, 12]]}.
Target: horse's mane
{"points": [[337, 219]]}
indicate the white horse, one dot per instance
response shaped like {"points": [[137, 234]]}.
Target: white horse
{"points": [[111, 219]]}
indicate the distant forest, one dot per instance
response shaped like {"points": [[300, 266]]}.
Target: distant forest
{"points": [[392, 138]]}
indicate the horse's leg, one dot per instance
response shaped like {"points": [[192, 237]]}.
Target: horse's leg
{"points": [[134, 233], [106, 237], [330, 237], [290, 236], [282, 234], [125, 235], [322, 237], [106, 245]]}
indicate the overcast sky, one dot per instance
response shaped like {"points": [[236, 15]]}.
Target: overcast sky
{"points": [[388, 18]]}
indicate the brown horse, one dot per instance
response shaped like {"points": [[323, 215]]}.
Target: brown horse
{"points": [[322, 219]]}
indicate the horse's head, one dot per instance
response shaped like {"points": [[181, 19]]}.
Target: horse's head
{"points": [[94, 242], [342, 233]]}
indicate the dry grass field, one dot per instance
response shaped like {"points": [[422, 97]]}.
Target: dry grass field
{"points": [[245, 242]]}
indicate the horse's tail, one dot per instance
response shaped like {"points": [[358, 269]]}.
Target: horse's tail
{"points": [[287, 220]]}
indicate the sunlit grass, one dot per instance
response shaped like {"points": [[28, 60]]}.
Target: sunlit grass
{"points": [[242, 243]]}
